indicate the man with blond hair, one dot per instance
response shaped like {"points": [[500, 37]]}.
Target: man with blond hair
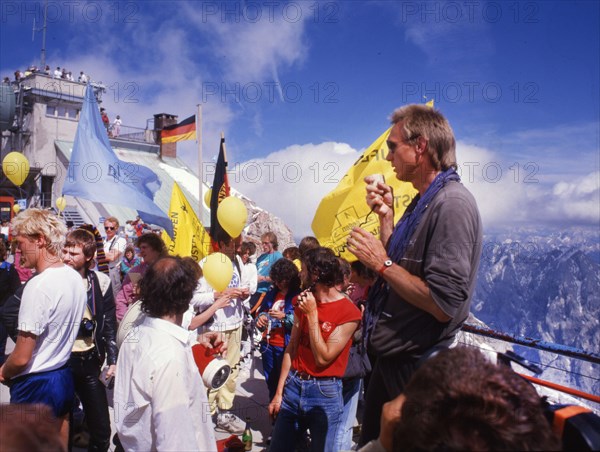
{"points": [[52, 306], [427, 262], [114, 247]]}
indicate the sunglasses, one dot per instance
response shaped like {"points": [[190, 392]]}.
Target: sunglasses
{"points": [[110, 228]]}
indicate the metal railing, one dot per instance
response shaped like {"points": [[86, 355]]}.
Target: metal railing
{"points": [[136, 134], [564, 350]]}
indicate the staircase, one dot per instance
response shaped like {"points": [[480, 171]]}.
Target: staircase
{"points": [[72, 213]]}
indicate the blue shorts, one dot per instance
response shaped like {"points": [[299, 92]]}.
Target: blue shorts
{"points": [[54, 388]]}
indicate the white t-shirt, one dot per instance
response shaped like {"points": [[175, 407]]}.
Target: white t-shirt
{"points": [[159, 394], [230, 316], [52, 307], [116, 243]]}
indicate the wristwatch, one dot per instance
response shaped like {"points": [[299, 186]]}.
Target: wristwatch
{"points": [[386, 264]]}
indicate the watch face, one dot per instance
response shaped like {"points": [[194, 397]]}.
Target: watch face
{"points": [[388, 263]]}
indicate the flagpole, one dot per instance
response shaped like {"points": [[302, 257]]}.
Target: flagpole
{"points": [[225, 158], [200, 184]]}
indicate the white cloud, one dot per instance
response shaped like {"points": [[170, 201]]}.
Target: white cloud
{"points": [[252, 51], [291, 182], [508, 194]]}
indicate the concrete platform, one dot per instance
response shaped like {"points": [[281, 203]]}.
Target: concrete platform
{"points": [[251, 402]]}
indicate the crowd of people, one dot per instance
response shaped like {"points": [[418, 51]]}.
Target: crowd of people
{"points": [[58, 73], [327, 330]]}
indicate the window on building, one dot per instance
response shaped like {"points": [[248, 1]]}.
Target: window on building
{"points": [[72, 113], [62, 111]]}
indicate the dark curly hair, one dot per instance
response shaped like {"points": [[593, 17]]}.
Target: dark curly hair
{"points": [[323, 266], [285, 270], [458, 400], [153, 241], [167, 287]]}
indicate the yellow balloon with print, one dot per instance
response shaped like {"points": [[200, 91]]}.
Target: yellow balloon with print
{"points": [[218, 271], [16, 208], [16, 167], [232, 215], [61, 203]]}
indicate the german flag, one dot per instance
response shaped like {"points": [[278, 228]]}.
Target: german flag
{"points": [[185, 130]]}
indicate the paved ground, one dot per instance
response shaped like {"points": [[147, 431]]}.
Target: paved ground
{"points": [[251, 402]]}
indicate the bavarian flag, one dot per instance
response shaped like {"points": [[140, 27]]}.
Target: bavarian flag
{"points": [[346, 207], [185, 130], [189, 236]]}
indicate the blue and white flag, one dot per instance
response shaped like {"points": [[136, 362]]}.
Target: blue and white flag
{"points": [[95, 173]]}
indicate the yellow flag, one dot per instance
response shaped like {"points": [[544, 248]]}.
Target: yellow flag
{"points": [[189, 236], [345, 207], [430, 103]]}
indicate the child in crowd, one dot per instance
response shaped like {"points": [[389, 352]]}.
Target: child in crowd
{"points": [[276, 318]]}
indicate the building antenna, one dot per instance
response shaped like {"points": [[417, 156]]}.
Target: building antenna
{"points": [[43, 30]]}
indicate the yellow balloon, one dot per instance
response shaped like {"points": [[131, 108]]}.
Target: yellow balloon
{"points": [[16, 167], [232, 215], [207, 197], [16, 208], [61, 203], [218, 271]]}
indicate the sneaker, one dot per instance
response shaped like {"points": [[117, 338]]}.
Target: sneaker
{"points": [[229, 422]]}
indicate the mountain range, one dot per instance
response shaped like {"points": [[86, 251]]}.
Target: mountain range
{"points": [[545, 284]]}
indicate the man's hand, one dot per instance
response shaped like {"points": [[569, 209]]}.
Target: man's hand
{"points": [[222, 301], [213, 339], [380, 197], [111, 371], [231, 292], [368, 249], [390, 416]]}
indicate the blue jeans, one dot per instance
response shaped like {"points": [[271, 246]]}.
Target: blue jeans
{"points": [[272, 357], [314, 404], [350, 395]]}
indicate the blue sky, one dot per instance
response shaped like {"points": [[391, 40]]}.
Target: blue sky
{"points": [[313, 83]]}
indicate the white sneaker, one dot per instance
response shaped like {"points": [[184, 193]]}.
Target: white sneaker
{"points": [[229, 422]]}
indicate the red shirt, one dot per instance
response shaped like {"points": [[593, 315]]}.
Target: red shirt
{"points": [[331, 315]]}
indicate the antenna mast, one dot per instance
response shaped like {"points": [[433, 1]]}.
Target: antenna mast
{"points": [[43, 57], [43, 30]]}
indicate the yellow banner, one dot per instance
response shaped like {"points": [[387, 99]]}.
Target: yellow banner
{"points": [[189, 236], [345, 207]]}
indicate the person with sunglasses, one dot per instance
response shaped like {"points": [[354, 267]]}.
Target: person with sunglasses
{"points": [[264, 263], [114, 247]]}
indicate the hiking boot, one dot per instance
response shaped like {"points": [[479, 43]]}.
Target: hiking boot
{"points": [[229, 422]]}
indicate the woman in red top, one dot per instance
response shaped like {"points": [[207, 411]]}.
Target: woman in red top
{"points": [[309, 393]]}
